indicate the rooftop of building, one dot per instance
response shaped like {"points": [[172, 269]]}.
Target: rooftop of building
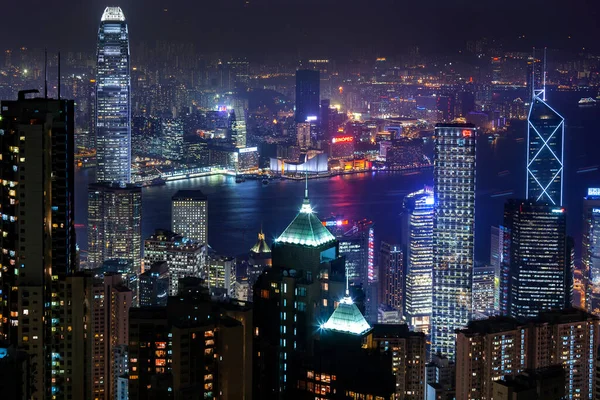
{"points": [[347, 318], [261, 245], [113, 14], [394, 331], [565, 316], [165, 235], [189, 194], [455, 125], [306, 229], [490, 325]]}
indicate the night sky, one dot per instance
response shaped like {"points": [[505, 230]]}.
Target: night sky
{"points": [[327, 27]]}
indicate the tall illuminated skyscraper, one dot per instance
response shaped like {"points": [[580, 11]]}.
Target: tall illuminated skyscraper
{"points": [[539, 270], [545, 138], [418, 244], [590, 251], [453, 232], [114, 224], [113, 99]]}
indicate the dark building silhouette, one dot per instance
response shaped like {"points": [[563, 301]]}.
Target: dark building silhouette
{"points": [[38, 240], [307, 94]]}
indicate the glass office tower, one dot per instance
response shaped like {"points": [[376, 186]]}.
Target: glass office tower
{"points": [[453, 232], [590, 250], [545, 138], [418, 243], [307, 95], [113, 99], [538, 257]]}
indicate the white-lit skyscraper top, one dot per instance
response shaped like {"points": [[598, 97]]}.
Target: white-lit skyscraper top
{"points": [[113, 14], [113, 99]]}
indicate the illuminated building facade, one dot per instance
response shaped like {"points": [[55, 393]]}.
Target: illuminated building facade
{"points": [[189, 214], [354, 245], [590, 250], [220, 274], [503, 346], [172, 138], [38, 240], [453, 232], [154, 285], [497, 259], [538, 258], [486, 351], [484, 291], [114, 224], [545, 138], [308, 87], [237, 123], [342, 147], [303, 135], [248, 158], [113, 99], [314, 165], [184, 258], [391, 259], [418, 248]]}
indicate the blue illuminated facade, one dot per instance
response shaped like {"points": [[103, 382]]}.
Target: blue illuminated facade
{"points": [[545, 138], [453, 232], [419, 209], [113, 99]]}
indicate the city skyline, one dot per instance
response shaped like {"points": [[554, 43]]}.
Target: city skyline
{"points": [[400, 252]]}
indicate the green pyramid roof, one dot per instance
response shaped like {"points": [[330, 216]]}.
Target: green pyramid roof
{"points": [[306, 229], [347, 318]]}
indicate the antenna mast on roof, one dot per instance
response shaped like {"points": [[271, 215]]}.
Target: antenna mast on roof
{"points": [[533, 75], [347, 288], [59, 75], [544, 98], [306, 176], [45, 73]]}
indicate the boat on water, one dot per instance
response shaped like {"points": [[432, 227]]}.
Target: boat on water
{"points": [[240, 179], [587, 101], [265, 181]]}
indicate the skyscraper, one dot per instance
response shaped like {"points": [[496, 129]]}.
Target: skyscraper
{"points": [[538, 259], [590, 251], [189, 209], [391, 261], [38, 240], [114, 224], [307, 95], [545, 138], [453, 232], [113, 99], [237, 123], [292, 298], [418, 247]]}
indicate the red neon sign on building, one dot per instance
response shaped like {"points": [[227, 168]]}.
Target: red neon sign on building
{"points": [[342, 139]]}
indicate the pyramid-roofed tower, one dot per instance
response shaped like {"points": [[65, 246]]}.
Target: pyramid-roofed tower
{"points": [[306, 229]]}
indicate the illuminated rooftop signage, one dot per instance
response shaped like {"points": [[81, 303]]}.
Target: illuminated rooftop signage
{"points": [[248, 149], [341, 139], [593, 191]]}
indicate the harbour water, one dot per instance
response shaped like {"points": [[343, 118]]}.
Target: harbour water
{"points": [[238, 210]]}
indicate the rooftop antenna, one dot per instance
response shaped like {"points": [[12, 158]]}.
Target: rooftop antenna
{"points": [[533, 75], [544, 95], [306, 177], [347, 287], [59, 75], [45, 73]]}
